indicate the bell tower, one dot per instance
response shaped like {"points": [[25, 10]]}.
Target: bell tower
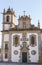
{"points": [[8, 23], [8, 19]]}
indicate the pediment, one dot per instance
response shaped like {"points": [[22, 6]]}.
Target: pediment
{"points": [[24, 49]]}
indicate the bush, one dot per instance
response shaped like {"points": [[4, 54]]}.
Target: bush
{"points": [[40, 60]]}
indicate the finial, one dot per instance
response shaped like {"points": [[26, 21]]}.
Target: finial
{"points": [[19, 16], [29, 16], [12, 9], [24, 12], [4, 10], [9, 8], [38, 20], [38, 24]]}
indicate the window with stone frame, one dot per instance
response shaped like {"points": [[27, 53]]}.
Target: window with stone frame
{"points": [[33, 40], [6, 55], [7, 18], [6, 46], [24, 25], [16, 40]]}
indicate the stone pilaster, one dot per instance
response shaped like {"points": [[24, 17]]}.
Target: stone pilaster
{"points": [[9, 52], [2, 46], [39, 44]]}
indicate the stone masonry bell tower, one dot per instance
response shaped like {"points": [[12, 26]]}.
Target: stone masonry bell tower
{"points": [[8, 22]]}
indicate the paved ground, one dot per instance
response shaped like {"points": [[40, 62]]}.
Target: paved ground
{"points": [[6, 63]]}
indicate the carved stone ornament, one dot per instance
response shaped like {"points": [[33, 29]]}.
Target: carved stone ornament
{"points": [[15, 52], [33, 52]]}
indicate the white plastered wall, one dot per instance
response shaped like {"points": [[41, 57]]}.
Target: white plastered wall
{"points": [[13, 19], [33, 58], [6, 26], [15, 58], [6, 37]]}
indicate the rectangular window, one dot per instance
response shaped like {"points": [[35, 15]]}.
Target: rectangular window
{"points": [[24, 25], [6, 46], [16, 40]]}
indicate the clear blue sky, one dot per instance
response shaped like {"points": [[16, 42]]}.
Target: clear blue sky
{"points": [[32, 8]]}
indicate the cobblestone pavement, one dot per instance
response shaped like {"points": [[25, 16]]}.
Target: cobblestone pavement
{"points": [[6, 63]]}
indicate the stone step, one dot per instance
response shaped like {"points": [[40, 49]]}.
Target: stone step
{"points": [[9, 63]]}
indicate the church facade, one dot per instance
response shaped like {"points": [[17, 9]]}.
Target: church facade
{"points": [[20, 43]]}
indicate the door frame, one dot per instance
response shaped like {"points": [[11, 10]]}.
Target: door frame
{"points": [[26, 57], [24, 49]]}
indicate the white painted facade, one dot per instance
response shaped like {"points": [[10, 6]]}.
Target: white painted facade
{"points": [[15, 58], [6, 37], [13, 19], [6, 26], [33, 58]]}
